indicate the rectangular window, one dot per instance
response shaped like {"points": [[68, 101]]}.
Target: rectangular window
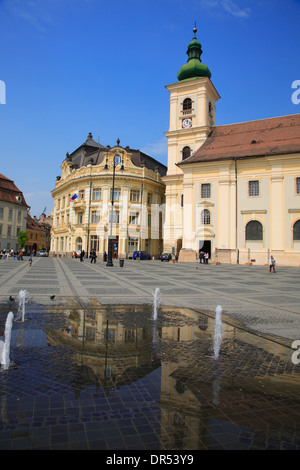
{"points": [[253, 188], [97, 195], [129, 335], [19, 216], [1, 212], [81, 194], [149, 198], [297, 185], [9, 230], [79, 217], [205, 190], [132, 245], [10, 213], [95, 217], [134, 218], [90, 333], [95, 242], [117, 194], [134, 195], [115, 217], [1, 229]]}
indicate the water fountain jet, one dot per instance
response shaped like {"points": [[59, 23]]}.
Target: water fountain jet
{"points": [[218, 331], [156, 303], [22, 301], [5, 345]]}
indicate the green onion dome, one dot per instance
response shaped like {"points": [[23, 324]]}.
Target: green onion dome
{"points": [[194, 67]]}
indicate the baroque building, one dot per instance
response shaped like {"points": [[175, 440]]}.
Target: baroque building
{"points": [[108, 192], [233, 190]]}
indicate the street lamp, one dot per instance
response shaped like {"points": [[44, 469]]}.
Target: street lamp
{"points": [[116, 162]]}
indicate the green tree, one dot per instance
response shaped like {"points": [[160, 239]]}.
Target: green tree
{"points": [[22, 238]]}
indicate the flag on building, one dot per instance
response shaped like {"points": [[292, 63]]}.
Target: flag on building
{"points": [[75, 196]]}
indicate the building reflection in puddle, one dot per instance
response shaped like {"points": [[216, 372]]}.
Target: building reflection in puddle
{"points": [[251, 390]]}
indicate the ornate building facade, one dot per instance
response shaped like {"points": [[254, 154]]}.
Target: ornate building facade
{"points": [[234, 190], [107, 192]]}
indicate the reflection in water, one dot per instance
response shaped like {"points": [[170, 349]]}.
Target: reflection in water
{"points": [[107, 359]]}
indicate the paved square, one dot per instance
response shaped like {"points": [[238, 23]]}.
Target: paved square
{"points": [[88, 372]]}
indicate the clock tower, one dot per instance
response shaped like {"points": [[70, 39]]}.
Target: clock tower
{"points": [[192, 107], [192, 115]]}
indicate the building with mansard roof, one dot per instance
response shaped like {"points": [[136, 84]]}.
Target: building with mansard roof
{"points": [[108, 192], [232, 191]]}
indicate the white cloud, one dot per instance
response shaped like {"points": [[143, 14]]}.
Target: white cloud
{"points": [[156, 149], [229, 6], [41, 14]]}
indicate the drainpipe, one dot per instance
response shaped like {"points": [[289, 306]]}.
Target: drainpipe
{"points": [[236, 212]]}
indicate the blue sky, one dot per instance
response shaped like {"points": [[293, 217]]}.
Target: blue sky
{"points": [[77, 66]]}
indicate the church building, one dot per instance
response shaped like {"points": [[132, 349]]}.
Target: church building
{"points": [[232, 191]]}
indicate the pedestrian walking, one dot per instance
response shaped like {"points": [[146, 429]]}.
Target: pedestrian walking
{"points": [[272, 263], [82, 255], [104, 256], [93, 256], [206, 256]]}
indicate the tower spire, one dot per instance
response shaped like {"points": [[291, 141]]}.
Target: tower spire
{"points": [[195, 30], [194, 67]]}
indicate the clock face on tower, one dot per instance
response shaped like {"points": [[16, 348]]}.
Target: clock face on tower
{"points": [[186, 123]]}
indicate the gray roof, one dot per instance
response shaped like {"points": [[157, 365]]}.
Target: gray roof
{"points": [[91, 152]]}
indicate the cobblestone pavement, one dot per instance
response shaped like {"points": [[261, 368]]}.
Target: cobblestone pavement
{"points": [[93, 368], [263, 302]]}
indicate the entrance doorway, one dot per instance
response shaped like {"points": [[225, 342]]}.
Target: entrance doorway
{"points": [[115, 247], [205, 246]]}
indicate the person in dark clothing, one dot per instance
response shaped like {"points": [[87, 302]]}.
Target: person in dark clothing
{"points": [[94, 256], [82, 255]]}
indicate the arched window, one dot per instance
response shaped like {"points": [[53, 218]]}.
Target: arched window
{"points": [[78, 244], [186, 152], [254, 230], [187, 106], [296, 231], [205, 217]]}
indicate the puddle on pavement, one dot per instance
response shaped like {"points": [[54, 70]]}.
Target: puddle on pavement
{"points": [[111, 377]]}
